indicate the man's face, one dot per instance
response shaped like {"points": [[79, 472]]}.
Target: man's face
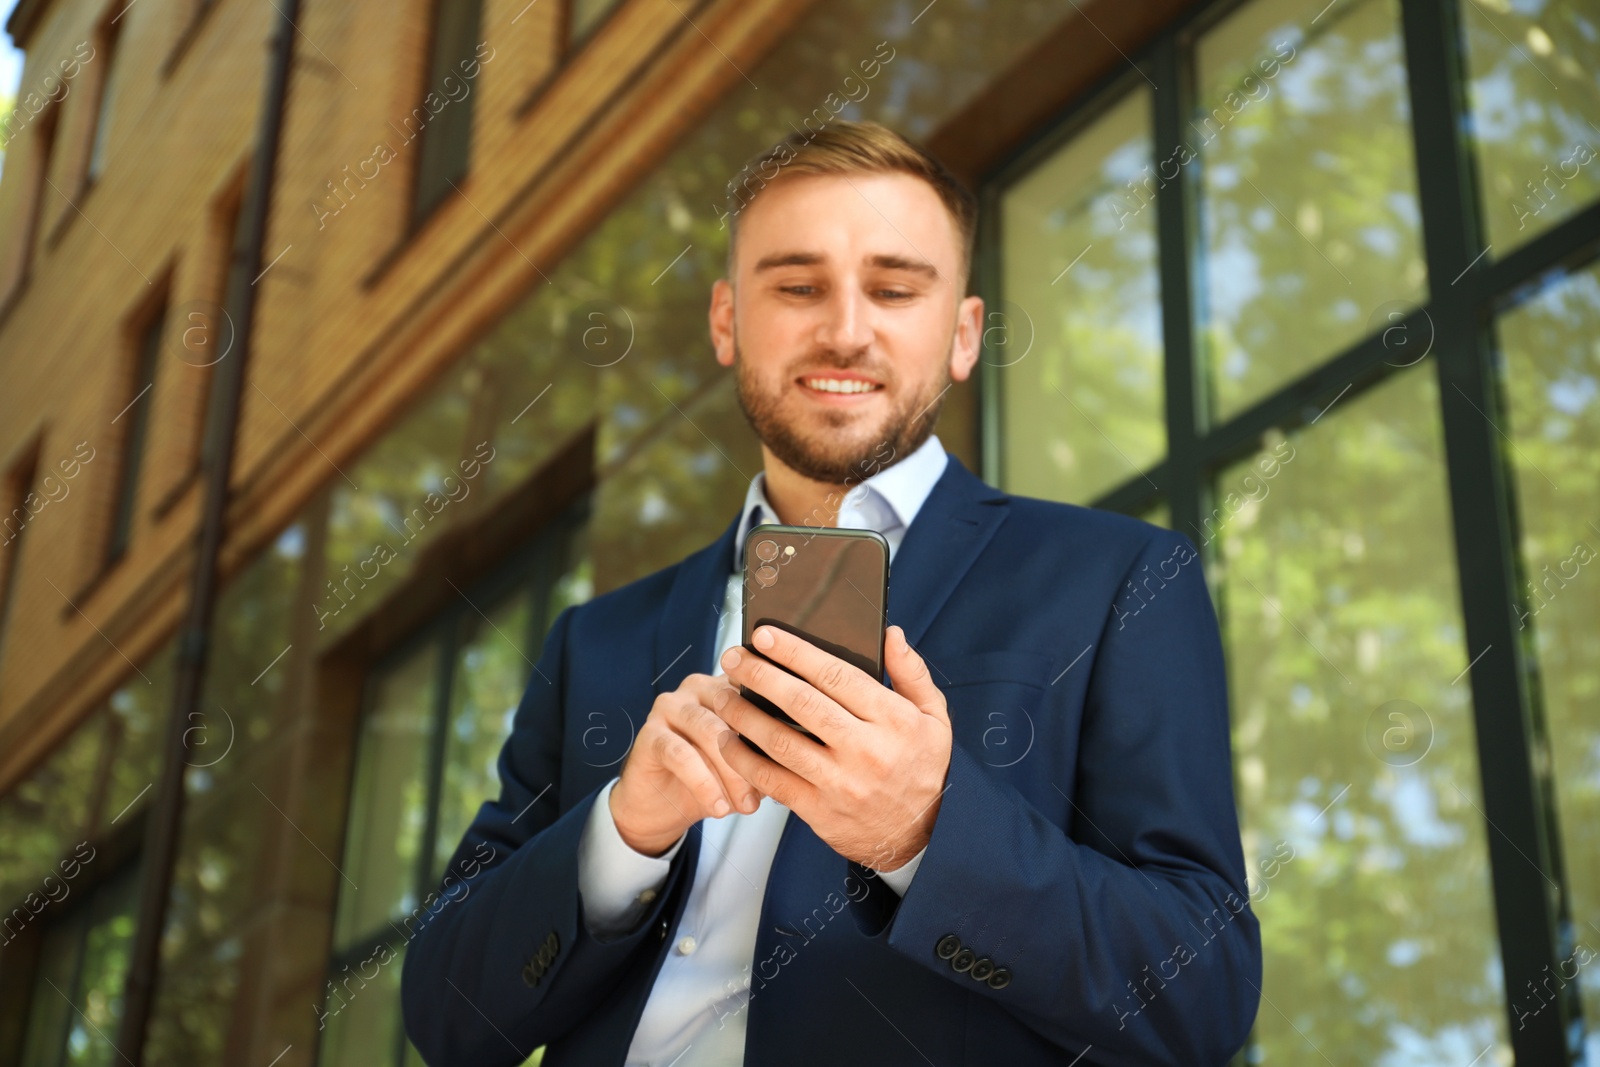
{"points": [[846, 324]]}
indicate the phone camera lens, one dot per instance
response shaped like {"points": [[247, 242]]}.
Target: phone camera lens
{"points": [[767, 551], [766, 575]]}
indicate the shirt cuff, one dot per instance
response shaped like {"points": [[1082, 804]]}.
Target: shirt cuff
{"points": [[899, 879], [616, 883]]}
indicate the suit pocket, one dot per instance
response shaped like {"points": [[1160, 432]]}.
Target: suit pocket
{"points": [[1000, 665], [995, 700]]}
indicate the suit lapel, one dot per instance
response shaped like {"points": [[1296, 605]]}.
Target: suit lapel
{"points": [[688, 626], [957, 520]]}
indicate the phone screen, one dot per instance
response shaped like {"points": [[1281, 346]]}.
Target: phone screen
{"points": [[828, 586]]}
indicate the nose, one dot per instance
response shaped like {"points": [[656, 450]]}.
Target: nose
{"points": [[846, 325]]}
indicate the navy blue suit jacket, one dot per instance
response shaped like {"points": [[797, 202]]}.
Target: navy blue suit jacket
{"points": [[1087, 842]]}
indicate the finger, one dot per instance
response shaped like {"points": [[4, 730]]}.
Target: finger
{"points": [[910, 675], [684, 762], [844, 683], [781, 742], [799, 698], [696, 721], [779, 783]]}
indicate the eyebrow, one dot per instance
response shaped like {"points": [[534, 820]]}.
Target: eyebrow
{"points": [[884, 261]]}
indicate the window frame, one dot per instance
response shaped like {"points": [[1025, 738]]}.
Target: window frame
{"points": [[1534, 930], [531, 572], [145, 339], [417, 212]]}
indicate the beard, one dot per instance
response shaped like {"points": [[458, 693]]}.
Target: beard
{"points": [[829, 454]]}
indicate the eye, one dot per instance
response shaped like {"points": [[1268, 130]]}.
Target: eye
{"points": [[895, 294], [797, 290]]}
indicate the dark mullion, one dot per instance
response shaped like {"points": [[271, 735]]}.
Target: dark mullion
{"points": [[446, 641], [449, 645], [1571, 244], [986, 271], [1186, 478], [1526, 878], [1137, 493], [1336, 380], [1175, 230]]}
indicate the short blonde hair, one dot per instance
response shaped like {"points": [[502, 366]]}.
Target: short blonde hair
{"points": [[845, 147]]}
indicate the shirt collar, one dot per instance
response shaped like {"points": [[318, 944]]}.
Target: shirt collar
{"points": [[903, 485]]}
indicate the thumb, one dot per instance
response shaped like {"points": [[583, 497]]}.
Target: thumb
{"points": [[910, 674]]}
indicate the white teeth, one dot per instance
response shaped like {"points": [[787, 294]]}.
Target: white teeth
{"points": [[839, 385]]}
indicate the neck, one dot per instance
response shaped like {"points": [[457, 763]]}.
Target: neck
{"points": [[798, 500]]}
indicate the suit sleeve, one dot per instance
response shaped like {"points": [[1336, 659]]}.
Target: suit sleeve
{"points": [[501, 960], [1128, 929]]}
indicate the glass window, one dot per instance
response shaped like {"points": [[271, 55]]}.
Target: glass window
{"points": [[491, 671], [443, 117], [236, 809], [109, 35], [16, 489], [1159, 513], [1355, 752], [389, 803], [585, 15], [1551, 366], [427, 759], [49, 811], [1308, 198], [137, 413], [136, 727], [1076, 337], [1535, 89], [76, 1003]]}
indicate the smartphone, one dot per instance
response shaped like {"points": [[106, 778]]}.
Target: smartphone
{"points": [[826, 585]]}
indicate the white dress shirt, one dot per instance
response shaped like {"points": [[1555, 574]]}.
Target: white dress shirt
{"points": [[695, 1014]]}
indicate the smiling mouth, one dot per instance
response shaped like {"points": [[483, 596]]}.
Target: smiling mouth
{"points": [[846, 386]]}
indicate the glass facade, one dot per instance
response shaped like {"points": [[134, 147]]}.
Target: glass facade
{"points": [[1319, 429], [1353, 747], [426, 756], [1307, 189], [1216, 299], [1079, 316], [1535, 114], [1551, 381]]}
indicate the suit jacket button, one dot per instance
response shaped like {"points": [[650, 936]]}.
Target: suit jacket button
{"points": [[962, 961], [554, 943], [982, 969], [1000, 978], [530, 977], [947, 947]]}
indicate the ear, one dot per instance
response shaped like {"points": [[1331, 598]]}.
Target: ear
{"points": [[968, 345], [721, 319]]}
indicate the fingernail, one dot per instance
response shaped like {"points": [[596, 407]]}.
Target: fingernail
{"points": [[730, 659], [763, 637], [752, 800], [720, 807]]}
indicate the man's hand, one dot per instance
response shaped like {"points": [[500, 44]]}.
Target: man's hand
{"points": [[872, 790], [675, 774]]}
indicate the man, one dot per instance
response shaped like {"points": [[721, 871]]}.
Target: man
{"points": [[1022, 850]]}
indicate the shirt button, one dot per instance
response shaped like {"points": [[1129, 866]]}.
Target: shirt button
{"points": [[686, 945], [647, 896]]}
